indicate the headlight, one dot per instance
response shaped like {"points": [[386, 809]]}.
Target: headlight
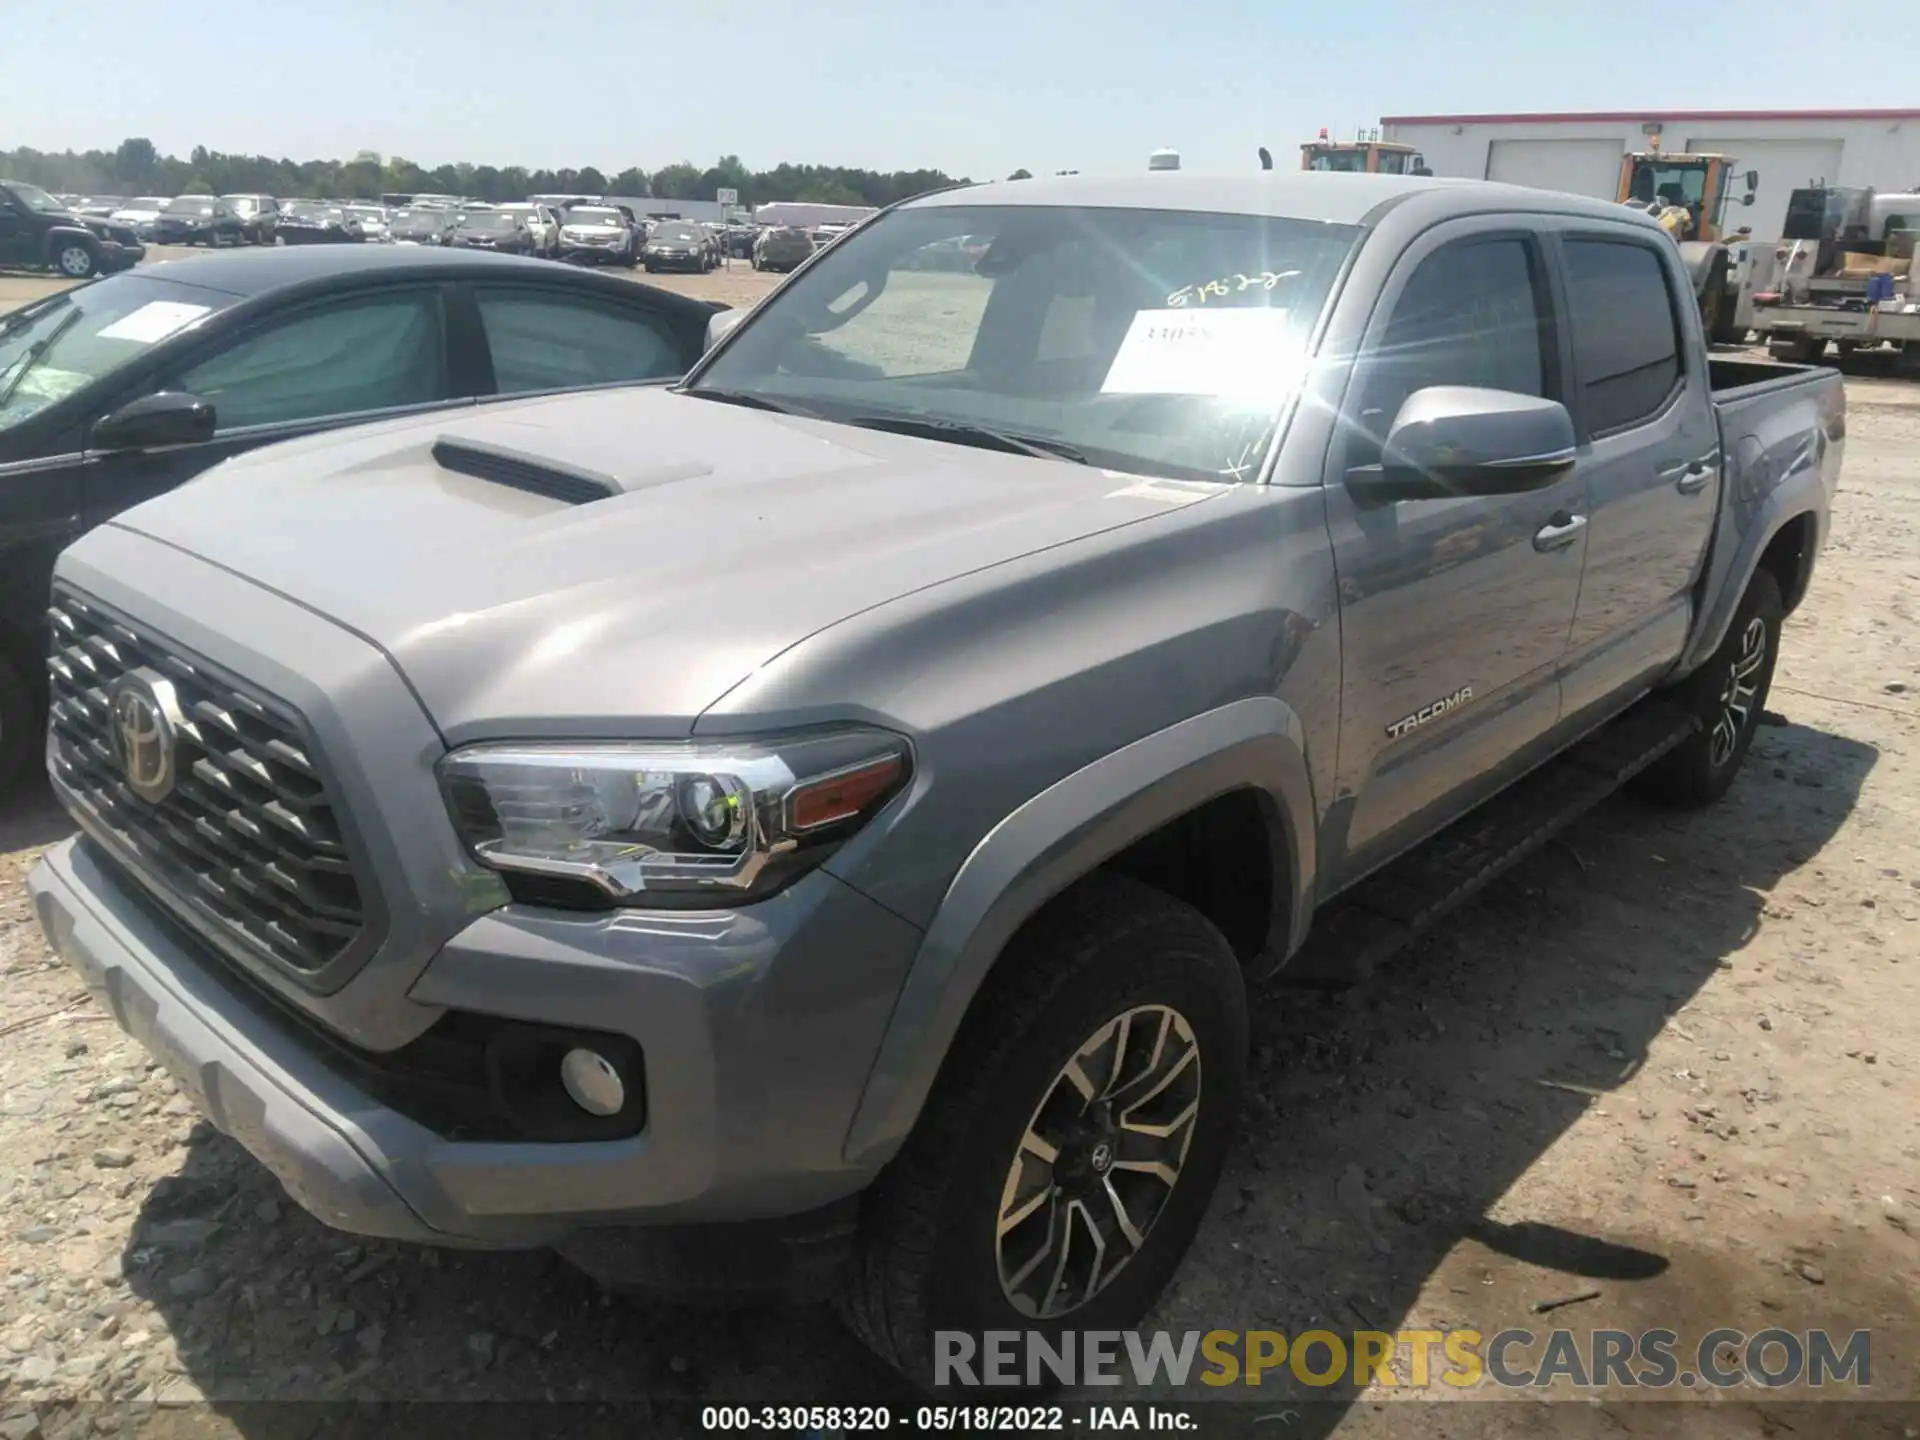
{"points": [[688, 824]]}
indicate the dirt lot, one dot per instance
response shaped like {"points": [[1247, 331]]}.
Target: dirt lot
{"points": [[1674, 1060]]}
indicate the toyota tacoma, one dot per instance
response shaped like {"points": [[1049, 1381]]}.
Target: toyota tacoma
{"points": [[819, 824]]}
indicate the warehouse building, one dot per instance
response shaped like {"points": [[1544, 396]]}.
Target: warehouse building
{"points": [[1581, 152]]}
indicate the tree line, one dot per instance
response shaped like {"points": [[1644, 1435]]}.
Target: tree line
{"points": [[136, 167]]}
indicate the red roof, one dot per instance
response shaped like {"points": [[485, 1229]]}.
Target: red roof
{"points": [[1669, 116]]}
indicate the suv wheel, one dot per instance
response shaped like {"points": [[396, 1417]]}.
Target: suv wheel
{"points": [[76, 259], [1727, 695], [1077, 1131]]}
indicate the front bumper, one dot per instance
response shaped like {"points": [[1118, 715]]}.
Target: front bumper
{"points": [[758, 1028], [117, 255], [595, 254], [692, 262]]}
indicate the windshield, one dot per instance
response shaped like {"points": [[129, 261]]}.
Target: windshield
{"points": [[87, 334], [1345, 162], [1672, 184], [189, 207], [488, 222], [154, 203], [366, 212], [316, 212], [589, 215], [676, 234], [1164, 342], [419, 219], [34, 198]]}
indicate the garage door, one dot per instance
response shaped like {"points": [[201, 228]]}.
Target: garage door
{"points": [[1784, 166], [1584, 167]]}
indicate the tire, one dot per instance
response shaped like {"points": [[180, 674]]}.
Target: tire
{"points": [[928, 1256], [652, 269], [20, 737], [76, 260], [1700, 769]]}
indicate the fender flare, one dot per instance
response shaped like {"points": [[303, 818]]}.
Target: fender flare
{"points": [[57, 234], [1800, 495], [1061, 834]]}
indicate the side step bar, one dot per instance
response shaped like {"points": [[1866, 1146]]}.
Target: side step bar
{"points": [[1389, 910]]}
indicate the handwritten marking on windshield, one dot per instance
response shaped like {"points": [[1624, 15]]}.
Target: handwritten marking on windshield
{"points": [[1235, 284]]}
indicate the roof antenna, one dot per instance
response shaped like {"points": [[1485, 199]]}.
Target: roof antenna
{"points": [[1266, 158]]}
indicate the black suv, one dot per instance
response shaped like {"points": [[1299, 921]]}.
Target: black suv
{"points": [[38, 232]]}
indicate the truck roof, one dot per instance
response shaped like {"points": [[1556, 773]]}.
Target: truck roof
{"points": [[1339, 199]]}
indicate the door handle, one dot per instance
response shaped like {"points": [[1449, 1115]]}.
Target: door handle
{"points": [[1694, 478], [1559, 532]]}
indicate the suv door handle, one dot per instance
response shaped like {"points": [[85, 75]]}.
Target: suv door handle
{"points": [[1559, 532], [1694, 478]]}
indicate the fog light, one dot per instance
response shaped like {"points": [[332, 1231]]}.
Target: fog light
{"points": [[592, 1082]]}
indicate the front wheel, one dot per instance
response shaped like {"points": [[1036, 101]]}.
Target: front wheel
{"points": [[1726, 695], [76, 260], [1077, 1130]]}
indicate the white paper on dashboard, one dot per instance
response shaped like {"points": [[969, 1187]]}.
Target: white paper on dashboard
{"points": [[1201, 352], [154, 321]]}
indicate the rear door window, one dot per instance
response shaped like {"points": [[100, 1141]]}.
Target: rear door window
{"points": [[541, 340], [1626, 334]]}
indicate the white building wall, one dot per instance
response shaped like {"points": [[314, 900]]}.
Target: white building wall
{"points": [[1881, 150]]}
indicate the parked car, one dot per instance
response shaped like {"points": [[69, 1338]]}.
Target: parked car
{"points": [[895, 941], [501, 230], [315, 222], [98, 207], [199, 220], [140, 213], [597, 235], [677, 245], [37, 232], [257, 213], [781, 247], [422, 225], [118, 390], [542, 223], [738, 240], [375, 226]]}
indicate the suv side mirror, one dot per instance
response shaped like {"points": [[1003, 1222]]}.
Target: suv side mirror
{"points": [[1753, 179], [721, 323], [170, 417], [1454, 440]]}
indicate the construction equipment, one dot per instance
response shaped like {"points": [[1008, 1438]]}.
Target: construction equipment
{"points": [[1367, 154], [1843, 273], [1688, 193]]}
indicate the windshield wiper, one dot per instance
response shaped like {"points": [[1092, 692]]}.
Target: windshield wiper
{"points": [[17, 318], [961, 432], [31, 355], [750, 401]]}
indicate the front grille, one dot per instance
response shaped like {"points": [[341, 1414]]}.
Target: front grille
{"points": [[248, 840]]}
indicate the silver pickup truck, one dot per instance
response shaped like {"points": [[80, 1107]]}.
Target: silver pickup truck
{"points": [[818, 824]]}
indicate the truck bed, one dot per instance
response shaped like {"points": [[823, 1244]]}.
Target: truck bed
{"points": [[1729, 379]]}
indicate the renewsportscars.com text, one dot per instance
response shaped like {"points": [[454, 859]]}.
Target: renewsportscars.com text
{"points": [[1459, 1359]]}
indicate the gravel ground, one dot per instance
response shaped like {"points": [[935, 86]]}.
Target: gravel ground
{"points": [[1674, 1059]]}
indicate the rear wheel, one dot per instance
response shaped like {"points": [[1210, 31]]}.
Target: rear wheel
{"points": [[1076, 1133], [1726, 695]]}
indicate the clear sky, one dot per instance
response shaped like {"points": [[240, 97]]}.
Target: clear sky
{"points": [[977, 87]]}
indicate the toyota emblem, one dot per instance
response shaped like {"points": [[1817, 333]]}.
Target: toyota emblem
{"points": [[142, 716]]}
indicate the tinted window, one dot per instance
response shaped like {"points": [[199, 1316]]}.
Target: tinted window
{"points": [[1626, 341], [550, 342], [366, 355], [1470, 314]]}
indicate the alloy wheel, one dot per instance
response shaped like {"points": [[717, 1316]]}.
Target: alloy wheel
{"points": [[1737, 694], [1098, 1161], [76, 261]]}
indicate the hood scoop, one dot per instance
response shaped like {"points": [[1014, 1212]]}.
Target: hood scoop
{"points": [[501, 466]]}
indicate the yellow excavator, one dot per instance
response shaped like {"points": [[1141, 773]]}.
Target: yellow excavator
{"points": [[1687, 192]]}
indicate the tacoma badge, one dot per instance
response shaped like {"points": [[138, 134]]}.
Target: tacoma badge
{"points": [[1430, 712]]}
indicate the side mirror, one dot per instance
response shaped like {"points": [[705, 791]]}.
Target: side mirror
{"points": [[1456, 440], [171, 417], [1753, 179], [721, 323]]}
